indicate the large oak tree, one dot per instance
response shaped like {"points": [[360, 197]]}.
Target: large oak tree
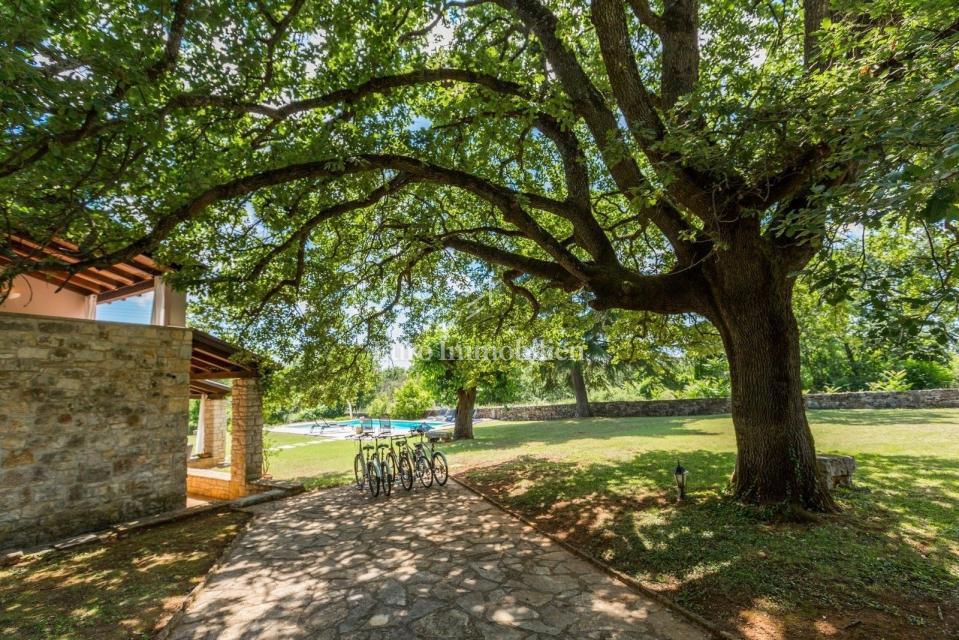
{"points": [[321, 166]]}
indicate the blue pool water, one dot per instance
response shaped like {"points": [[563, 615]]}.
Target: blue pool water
{"points": [[398, 425]]}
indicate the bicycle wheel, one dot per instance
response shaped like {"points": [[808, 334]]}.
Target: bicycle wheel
{"points": [[359, 471], [373, 477], [441, 470], [423, 471], [406, 472], [389, 472]]}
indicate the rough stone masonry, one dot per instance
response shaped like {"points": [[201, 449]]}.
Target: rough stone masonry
{"points": [[916, 399], [93, 422]]}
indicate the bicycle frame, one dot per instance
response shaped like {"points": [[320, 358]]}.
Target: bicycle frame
{"points": [[430, 454], [365, 454], [381, 453]]}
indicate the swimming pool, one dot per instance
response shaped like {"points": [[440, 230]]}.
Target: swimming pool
{"points": [[398, 425]]}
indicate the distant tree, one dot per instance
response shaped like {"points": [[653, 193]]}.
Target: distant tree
{"points": [[412, 400], [586, 357], [453, 366], [301, 385], [880, 299]]}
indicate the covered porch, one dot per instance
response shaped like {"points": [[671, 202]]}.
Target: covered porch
{"points": [[216, 471], [224, 465]]}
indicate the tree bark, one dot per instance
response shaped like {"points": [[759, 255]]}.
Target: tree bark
{"points": [[680, 38], [579, 389], [814, 12], [463, 425], [776, 461]]}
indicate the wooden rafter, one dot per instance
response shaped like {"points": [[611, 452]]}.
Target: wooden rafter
{"points": [[213, 390], [215, 359], [108, 283]]}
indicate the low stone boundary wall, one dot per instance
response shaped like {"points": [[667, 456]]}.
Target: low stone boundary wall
{"points": [[919, 399]]}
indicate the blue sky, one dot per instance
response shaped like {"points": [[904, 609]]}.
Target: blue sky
{"points": [[136, 309]]}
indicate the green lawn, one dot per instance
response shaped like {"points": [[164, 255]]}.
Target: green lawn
{"points": [[112, 591], [887, 567]]}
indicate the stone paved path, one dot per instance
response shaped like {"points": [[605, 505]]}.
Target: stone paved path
{"points": [[436, 563]]}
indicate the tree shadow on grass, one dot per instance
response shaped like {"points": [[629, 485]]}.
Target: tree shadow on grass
{"points": [[743, 567], [115, 590], [564, 431]]}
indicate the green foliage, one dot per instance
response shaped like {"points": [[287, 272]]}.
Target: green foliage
{"points": [[924, 374], [302, 391], [705, 388], [874, 304], [380, 405], [412, 400], [390, 380], [194, 415], [386, 399], [107, 142], [891, 381], [448, 361], [315, 413]]}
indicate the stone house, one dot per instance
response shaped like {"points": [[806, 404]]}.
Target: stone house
{"points": [[94, 413]]}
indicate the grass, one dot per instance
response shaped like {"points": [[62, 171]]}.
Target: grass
{"points": [[118, 590], [886, 567]]}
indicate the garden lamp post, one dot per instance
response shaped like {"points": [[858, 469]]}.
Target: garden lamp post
{"points": [[681, 480]]}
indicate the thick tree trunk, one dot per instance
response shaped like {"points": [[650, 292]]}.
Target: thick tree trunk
{"points": [[579, 389], [463, 426], [776, 461]]}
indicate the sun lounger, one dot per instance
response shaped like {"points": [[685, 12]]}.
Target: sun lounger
{"points": [[322, 424]]}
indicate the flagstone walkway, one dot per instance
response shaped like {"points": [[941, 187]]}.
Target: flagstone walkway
{"points": [[436, 563]]}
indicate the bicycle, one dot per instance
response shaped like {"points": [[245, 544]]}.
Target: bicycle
{"points": [[405, 457], [384, 456], [431, 459], [365, 466]]}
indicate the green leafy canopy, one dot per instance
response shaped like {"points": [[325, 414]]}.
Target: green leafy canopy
{"points": [[320, 171]]}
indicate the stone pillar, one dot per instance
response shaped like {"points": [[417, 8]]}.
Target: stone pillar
{"points": [[214, 429], [247, 455]]}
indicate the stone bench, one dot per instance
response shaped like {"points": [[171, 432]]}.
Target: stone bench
{"points": [[836, 471]]}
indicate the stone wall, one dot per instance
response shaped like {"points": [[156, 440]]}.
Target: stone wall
{"points": [[921, 399], [209, 483], [93, 422]]}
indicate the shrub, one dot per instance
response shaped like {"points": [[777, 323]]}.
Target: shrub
{"points": [[705, 388], [891, 381], [412, 400], [925, 374], [380, 405], [306, 415]]}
